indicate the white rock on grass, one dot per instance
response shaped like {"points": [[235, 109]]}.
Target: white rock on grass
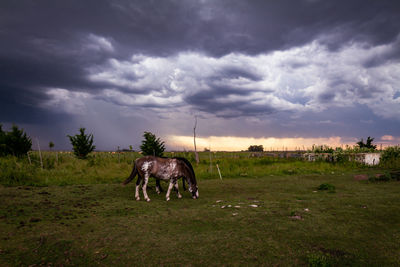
{"points": [[254, 205]]}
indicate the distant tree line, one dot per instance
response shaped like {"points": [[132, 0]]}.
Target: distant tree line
{"points": [[17, 143], [256, 148]]}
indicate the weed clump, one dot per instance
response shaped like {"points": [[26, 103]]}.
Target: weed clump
{"points": [[387, 176], [16, 173], [325, 186], [319, 260], [391, 157]]}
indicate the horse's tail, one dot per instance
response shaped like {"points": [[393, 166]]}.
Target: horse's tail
{"points": [[132, 176]]}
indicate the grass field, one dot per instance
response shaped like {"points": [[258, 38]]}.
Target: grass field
{"points": [[271, 214]]}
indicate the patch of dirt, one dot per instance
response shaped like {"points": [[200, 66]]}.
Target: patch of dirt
{"points": [[360, 177]]}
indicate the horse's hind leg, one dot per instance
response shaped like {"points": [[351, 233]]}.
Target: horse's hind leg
{"points": [[144, 187], [177, 190], [158, 186], [139, 179]]}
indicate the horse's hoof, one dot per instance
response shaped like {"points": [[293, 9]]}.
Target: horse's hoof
{"points": [[179, 196], [148, 199], [138, 198], [167, 198]]}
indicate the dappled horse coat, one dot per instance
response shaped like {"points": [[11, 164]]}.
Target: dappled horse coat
{"points": [[167, 169]]}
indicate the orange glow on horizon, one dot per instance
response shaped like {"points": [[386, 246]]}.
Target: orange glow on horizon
{"points": [[232, 143]]}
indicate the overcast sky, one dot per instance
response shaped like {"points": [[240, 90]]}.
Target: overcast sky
{"points": [[278, 73]]}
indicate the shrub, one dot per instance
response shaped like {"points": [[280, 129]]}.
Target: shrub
{"points": [[322, 149], [391, 156], [326, 186], [82, 144]]}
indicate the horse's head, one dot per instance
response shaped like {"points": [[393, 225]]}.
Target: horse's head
{"points": [[194, 190]]}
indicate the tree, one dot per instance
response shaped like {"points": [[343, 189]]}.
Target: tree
{"points": [[82, 144], [51, 145], [3, 146], [2, 142], [368, 144], [255, 148], [15, 142], [151, 145]]}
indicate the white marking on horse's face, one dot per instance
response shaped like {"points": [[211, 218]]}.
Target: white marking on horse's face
{"points": [[146, 166], [197, 193]]}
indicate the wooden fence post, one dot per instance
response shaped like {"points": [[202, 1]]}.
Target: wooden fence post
{"points": [[40, 154], [29, 158], [220, 176]]}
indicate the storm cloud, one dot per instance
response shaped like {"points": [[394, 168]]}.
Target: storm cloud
{"points": [[246, 68]]}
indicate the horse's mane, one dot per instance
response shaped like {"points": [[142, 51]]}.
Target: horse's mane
{"points": [[187, 162]]}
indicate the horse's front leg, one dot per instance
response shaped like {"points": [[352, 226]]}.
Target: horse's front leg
{"points": [[144, 187], [171, 184], [177, 190]]}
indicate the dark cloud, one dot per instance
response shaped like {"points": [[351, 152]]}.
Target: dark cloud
{"points": [[47, 45], [218, 103], [236, 73]]}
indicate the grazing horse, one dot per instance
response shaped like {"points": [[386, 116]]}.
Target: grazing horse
{"points": [[167, 169], [158, 185]]}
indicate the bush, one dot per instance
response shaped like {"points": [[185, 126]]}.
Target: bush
{"points": [[391, 156], [82, 144], [15, 143], [326, 186]]}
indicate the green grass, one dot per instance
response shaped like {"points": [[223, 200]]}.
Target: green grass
{"points": [[104, 167], [76, 212], [293, 224]]}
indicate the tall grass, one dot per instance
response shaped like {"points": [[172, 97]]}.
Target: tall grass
{"points": [[62, 168]]}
